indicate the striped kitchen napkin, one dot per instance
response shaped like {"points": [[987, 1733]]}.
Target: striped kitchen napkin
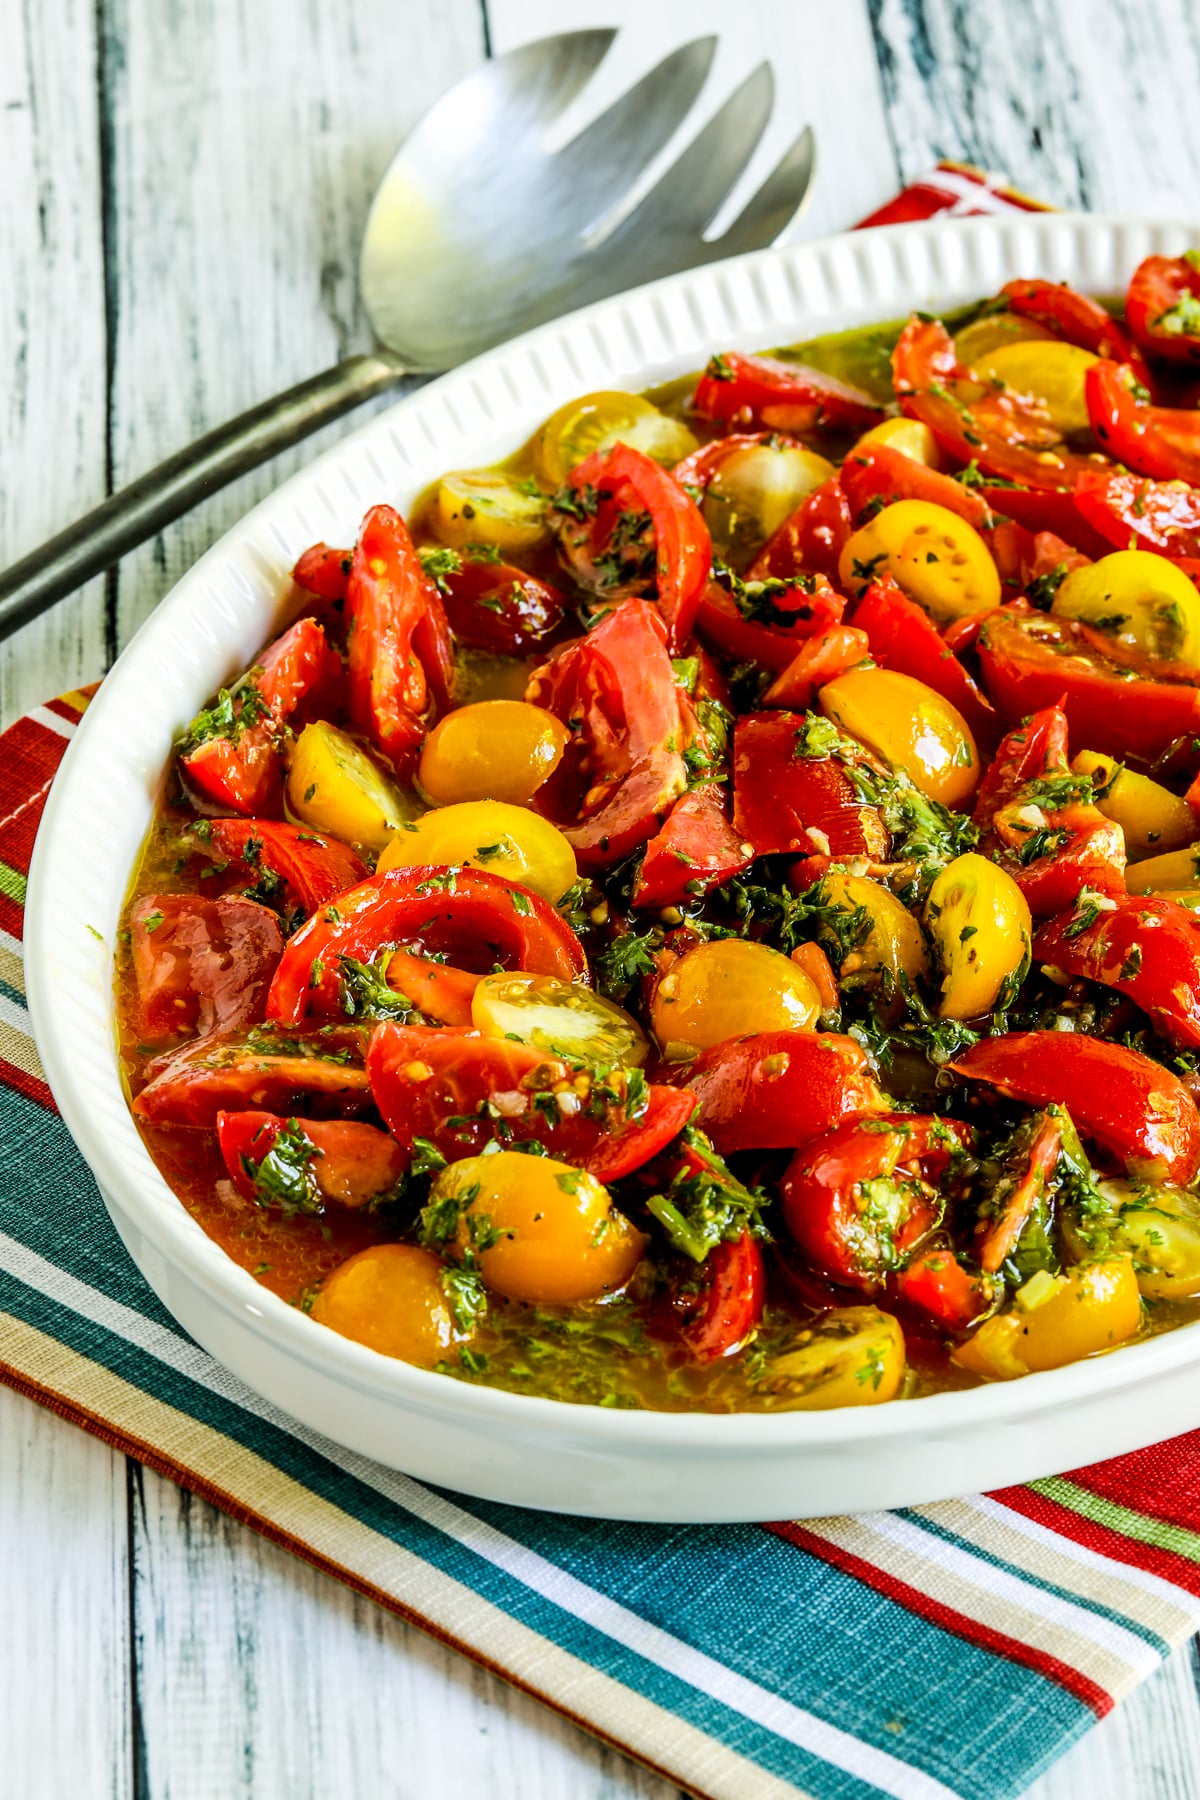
{"points": [[942, 1651]]}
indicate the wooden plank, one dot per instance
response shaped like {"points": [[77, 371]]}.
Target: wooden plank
{"points": [[52, 397], [1148, 1749], [65, 1692], [259, 1677], [1084, 103]]}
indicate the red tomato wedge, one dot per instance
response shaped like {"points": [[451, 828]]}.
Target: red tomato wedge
{"points": [[781, 396], [1074, 317], [779, 1089], [615, 491], [882, 473], [946, 1290], [1162, 308], [821, 659], [276, 1074], [200, 965], [315, 868], [811, 540], [860, 1198], [1137, 1109], [468, 913], [400, 653], [781, 798], [615, 691], [1153, 515], [1030, 660], [231, 757], [350, 1164], [797, 613], [696, 848], [713, 1309], [324, 571], [1050, 511], [1006, 433], [902, 636], [461, 1091], [1160, 441], [497, 607], [1145, 947]]}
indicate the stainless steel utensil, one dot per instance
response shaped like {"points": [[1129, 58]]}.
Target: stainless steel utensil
{"points": [[476, 233]]}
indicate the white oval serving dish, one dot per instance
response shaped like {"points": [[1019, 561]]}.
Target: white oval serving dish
{"points": [[540, 1453]]}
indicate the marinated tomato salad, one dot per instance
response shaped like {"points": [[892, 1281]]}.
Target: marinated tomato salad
{"points": [[704, 916]]}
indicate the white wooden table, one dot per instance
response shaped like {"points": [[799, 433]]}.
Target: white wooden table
{"points": [[182, 189]]}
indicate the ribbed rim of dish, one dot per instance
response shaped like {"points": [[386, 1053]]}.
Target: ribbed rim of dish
{"points": [[217, 617]]}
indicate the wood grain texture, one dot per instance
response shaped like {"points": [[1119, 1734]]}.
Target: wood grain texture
{"points": [[65, 1691], [183, 191]]}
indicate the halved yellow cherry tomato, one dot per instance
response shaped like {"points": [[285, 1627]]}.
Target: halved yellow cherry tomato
{"points": [[891, 948], [1153, 819], [1159, 1227], [1057, 1319], [755, 489], [727, 989], [993, 331], [1054, 373], [492, 750], [597, 422], [910, 437], [909, 726], [980, 925], [1142, 601], [540, 1230], [939, 560], [854, 1356], [391, 1298], [488, 834], [486, 506], [334, 786], [559, 1016], [1175, 873]]}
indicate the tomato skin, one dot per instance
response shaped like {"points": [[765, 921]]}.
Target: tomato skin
{"points": [[821, 659], [774, 646], [223, 1074], [698, 469], [1157, 286], [782, 396], [615, 690], [355, 1162], [903, 637], [777, 797], [1007, 435], [316, 868], [1132, 1105], [1162, 516], [821, 1187], [204, 967], [696, 845], [779, 1089], [886, 474], [499, 608], [323, 571], [1074, 317], [626, 481], [1024, 669], [447, 910], [1146, 947], [400, 655], [712, 1310], [296, 678], [1088, 849], [937, 1284], [1161, 441], [422, 1077], [812, 540], [1051, 510]]}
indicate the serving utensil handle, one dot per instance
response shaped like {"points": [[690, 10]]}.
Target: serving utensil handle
{"points": [[98, 540]]}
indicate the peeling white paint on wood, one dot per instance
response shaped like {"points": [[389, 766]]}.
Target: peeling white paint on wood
{"points": [[182, 190]]}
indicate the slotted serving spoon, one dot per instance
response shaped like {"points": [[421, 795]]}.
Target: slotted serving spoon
{"points": [[476, 233]]}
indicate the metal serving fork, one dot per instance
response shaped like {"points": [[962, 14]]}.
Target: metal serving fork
{"points": [[476, 233]]}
